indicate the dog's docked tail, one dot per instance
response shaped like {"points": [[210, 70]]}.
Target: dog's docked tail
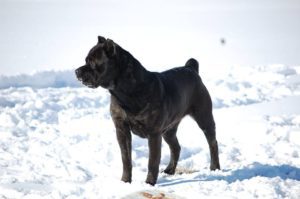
{"points": [[193, 64]]}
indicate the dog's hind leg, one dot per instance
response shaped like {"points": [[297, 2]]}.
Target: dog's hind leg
{"points": [[206, 122], [171, 139]]}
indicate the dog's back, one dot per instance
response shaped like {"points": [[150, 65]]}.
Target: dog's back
{"points": [[184, 89], [182, 79]]}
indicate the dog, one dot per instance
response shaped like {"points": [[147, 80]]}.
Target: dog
{"points": [[149, 104]]}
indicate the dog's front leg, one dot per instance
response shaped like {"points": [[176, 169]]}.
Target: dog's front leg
{"points": [[124, 140], [154, 143]]}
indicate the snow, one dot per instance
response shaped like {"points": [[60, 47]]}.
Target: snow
{"points": [[40, 80], [57, 140]]}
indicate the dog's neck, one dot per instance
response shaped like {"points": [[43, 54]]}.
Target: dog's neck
{"points": [[134, 84]]}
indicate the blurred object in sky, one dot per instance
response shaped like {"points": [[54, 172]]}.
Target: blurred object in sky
{"points": [[223, 41]]}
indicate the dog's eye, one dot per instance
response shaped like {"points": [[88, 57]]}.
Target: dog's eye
{"points": [[90, 63], [93, 65]]}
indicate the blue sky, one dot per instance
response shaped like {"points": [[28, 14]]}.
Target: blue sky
{"points": [[56, 35]]}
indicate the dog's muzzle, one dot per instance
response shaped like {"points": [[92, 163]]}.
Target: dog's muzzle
{"points": [[85, 78]]}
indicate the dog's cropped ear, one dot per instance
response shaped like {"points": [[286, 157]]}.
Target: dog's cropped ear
{"points": [[101, 39], [109, 47]]}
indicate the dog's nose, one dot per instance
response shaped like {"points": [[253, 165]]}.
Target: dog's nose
{"points": [[77, 72]]}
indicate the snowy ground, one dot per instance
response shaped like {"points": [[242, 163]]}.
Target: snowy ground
{"points": [[57, 140]]}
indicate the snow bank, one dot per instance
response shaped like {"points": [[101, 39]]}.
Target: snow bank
{"points": [[45, 79]]}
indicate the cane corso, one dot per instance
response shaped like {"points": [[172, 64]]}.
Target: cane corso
{"points": [[149, 104]]}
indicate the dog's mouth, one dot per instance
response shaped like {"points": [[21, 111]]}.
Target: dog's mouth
{"points": [[86, 80], [89, 85]]}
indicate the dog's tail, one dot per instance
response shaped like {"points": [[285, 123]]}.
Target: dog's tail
{"points": [[193, 64]]}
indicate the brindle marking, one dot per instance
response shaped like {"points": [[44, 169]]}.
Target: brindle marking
{"points": [[149, 104]]}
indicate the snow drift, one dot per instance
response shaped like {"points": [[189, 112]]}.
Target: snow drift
{"points": [[44, 79]]}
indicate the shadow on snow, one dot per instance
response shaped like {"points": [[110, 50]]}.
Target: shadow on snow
{"points": [[255, 170]]}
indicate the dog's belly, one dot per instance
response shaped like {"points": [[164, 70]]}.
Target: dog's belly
{"points": [[145, 129], [156, 119], [145, 125]]}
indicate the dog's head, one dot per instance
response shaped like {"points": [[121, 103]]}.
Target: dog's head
{"points": [[101, 68]]}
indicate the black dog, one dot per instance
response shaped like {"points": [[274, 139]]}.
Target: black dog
{"points": [[149, 104]]}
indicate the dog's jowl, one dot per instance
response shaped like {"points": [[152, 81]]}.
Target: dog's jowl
{"points": [[149, 104]]}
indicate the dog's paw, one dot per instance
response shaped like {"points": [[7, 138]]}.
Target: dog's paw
{"points": [[126, 178], [151, 180], [169, 171], [215, 166]]}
